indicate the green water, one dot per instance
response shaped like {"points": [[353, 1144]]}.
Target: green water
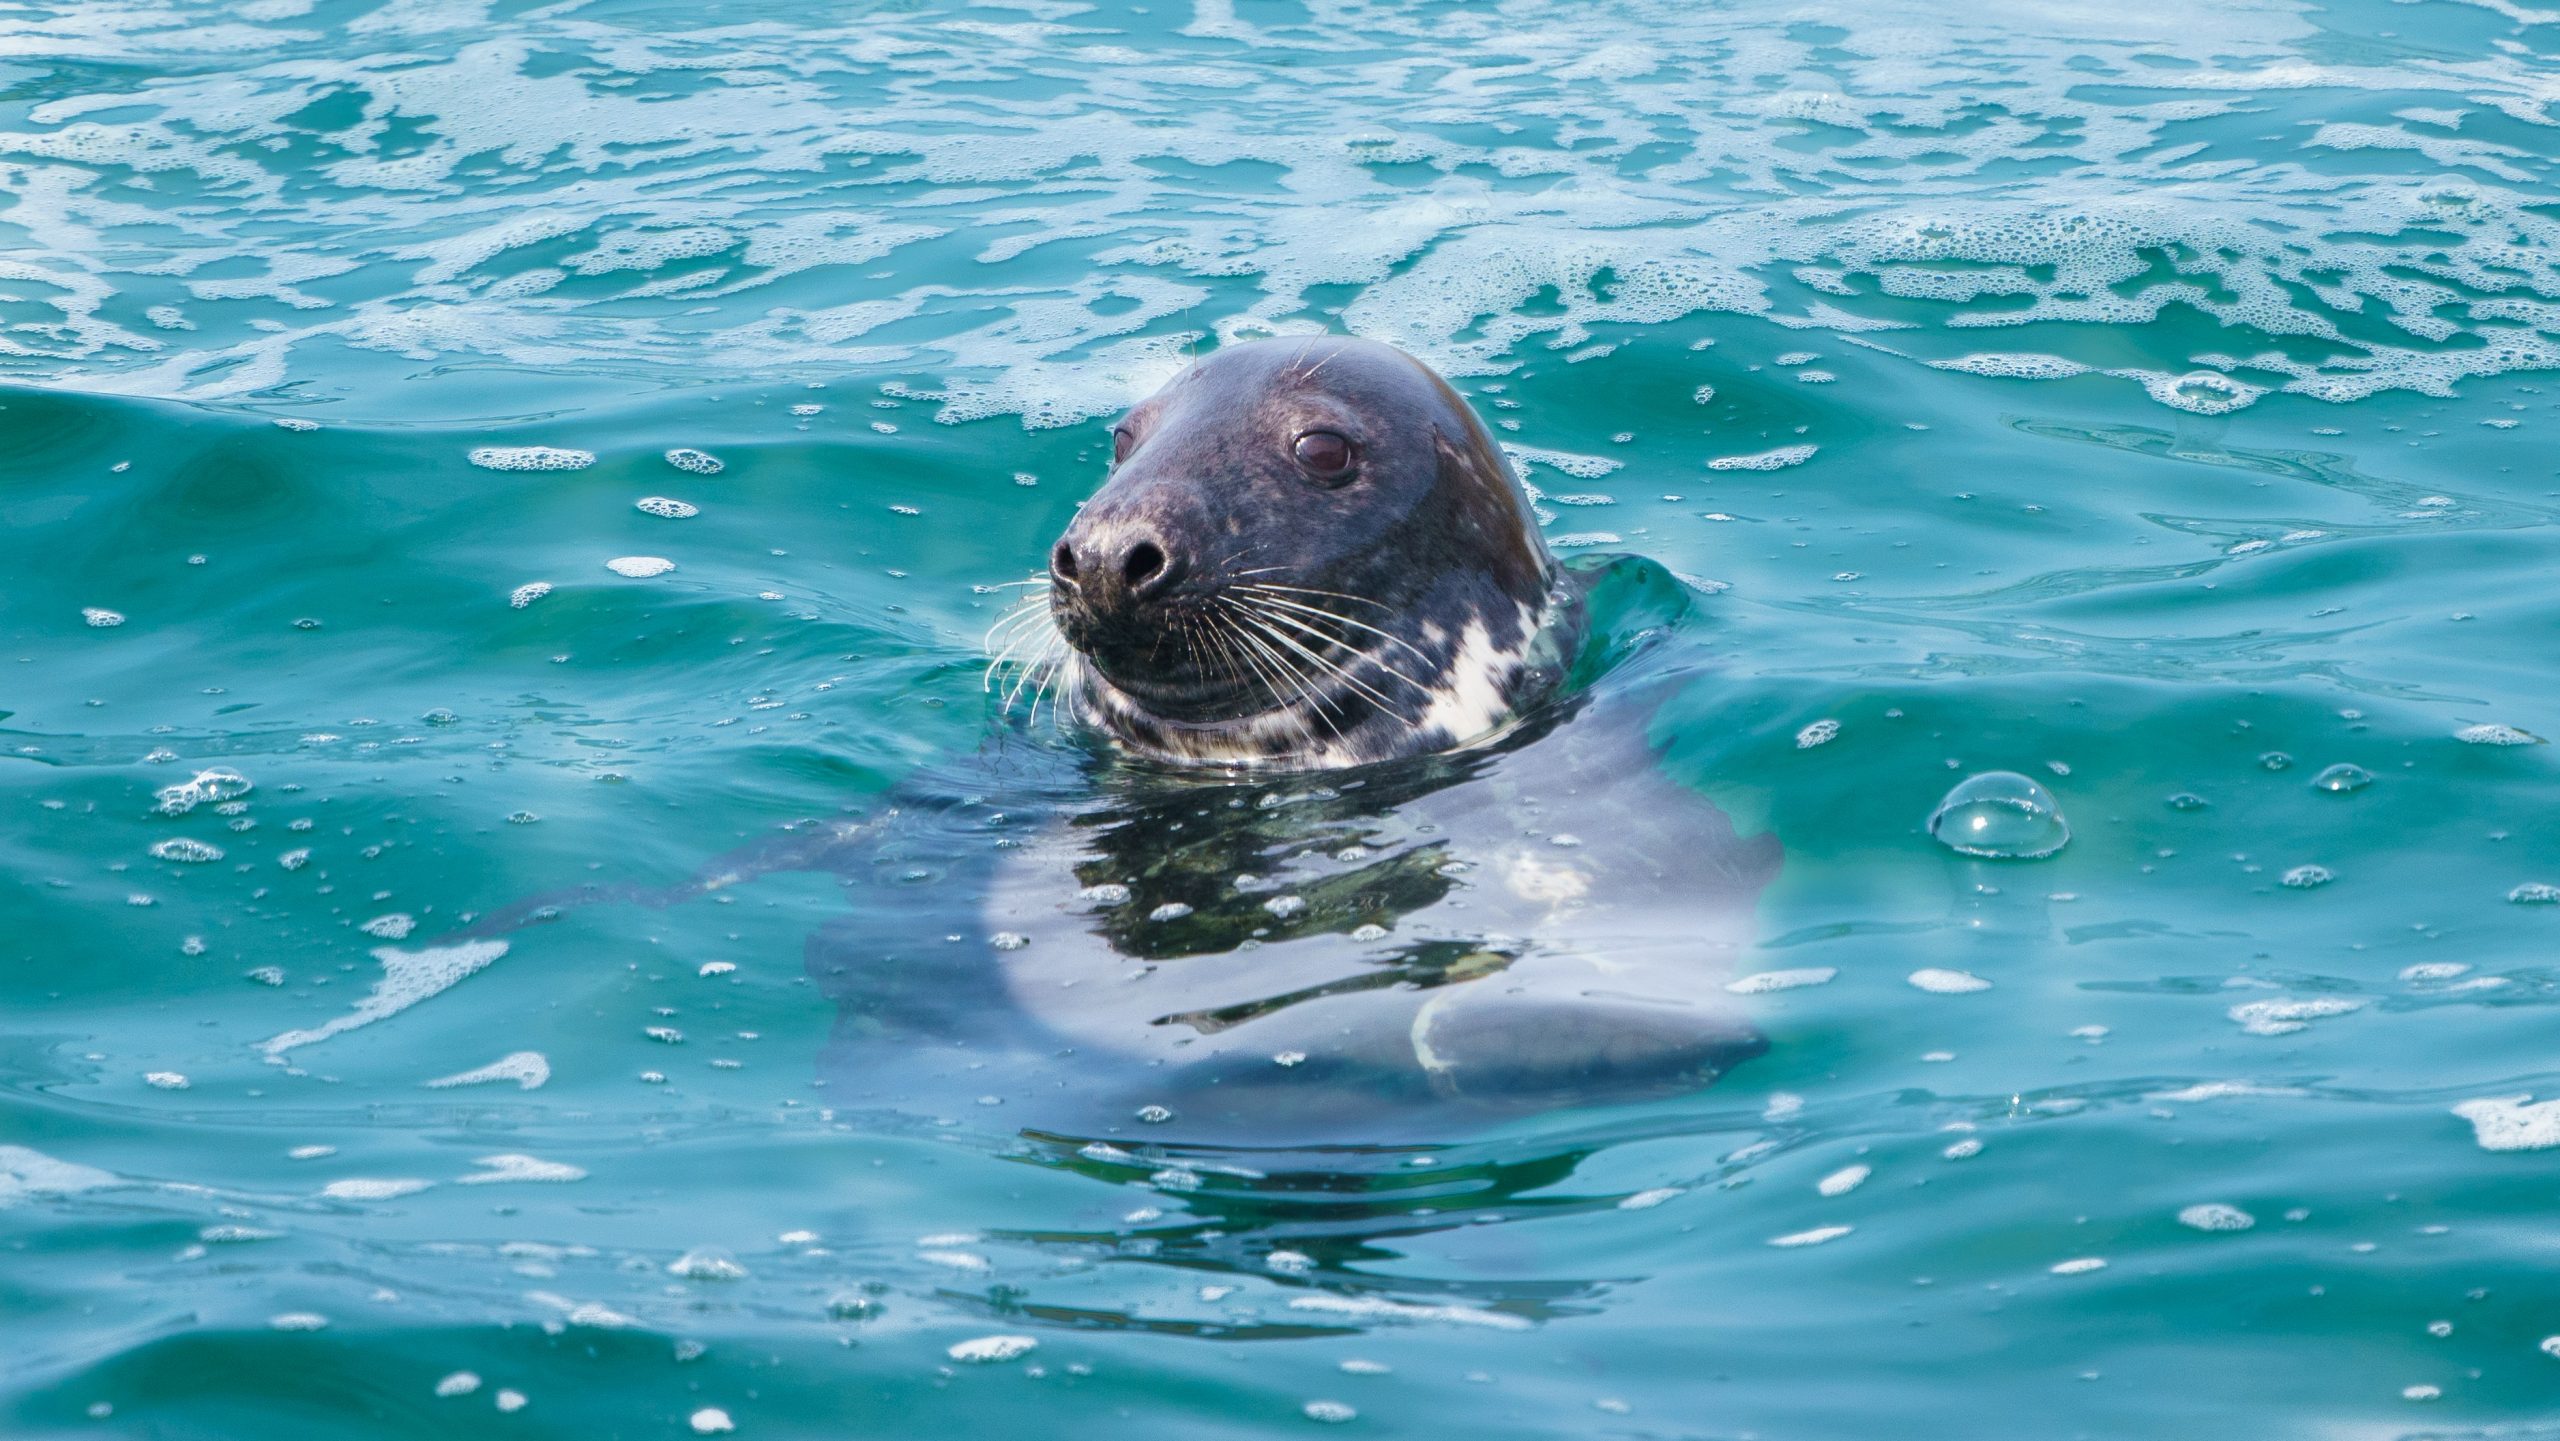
{"points": [[2176, 392]]}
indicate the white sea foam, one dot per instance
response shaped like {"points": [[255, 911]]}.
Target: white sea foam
{"points": [[408, 977], [2512, 1123], [527, 1069], [2380, 249]]}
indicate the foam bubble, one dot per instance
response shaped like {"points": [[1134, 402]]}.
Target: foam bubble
{"points": [[694, 462], [662, 506], [186, 851], [2493, 734], [513, 1166], [528, 1069], [526, 594], [531, 457], [639, 567], [1816, 734], [1843, 1181], [1778, 459], [986, 1350], [368, 1188], [2215, 1216], [1763, 982], [1378, 1308], [99, 618], [1815, 1237], [2512, 1123], [2283, 1018], [1948, 983]]}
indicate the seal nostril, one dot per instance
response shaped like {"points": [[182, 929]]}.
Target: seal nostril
{"points": [[1062, 561], [1144, 563]]}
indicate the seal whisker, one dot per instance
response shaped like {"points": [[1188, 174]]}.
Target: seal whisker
{"points": [[1329, 638], [1336, 594], [1317, 610], [1023, 633], [1357, 684], [1287, 704]]}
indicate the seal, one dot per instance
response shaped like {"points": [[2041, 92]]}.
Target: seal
{"points": [[1309, 554]]}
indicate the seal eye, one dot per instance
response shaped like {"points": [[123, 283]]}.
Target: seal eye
{"points": [[1122, 442], [1326, 456]]}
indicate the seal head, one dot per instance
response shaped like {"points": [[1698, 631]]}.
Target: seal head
{"points": [[1309, 553]]}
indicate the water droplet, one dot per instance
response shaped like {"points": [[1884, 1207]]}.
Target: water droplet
{"points": [[2188, 801], [2276, 761], [2000, 814], [2340, 779]]}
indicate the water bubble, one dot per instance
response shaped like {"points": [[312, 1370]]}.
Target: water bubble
{"points": [[696, 462], [2535, 893], [2303, 878], [1332, 1413], [1948, 983], [1817, 733], [1154, 1115], [2276, 761], [2340, 779], [1107, 894], [1169, 911], [2188, 801], [985, 1350], [1285, 907], [711, 1421], [663, 506], [460, 1383], [1008, 940], [101, 619], [2000, 814], [2078, 1266]]}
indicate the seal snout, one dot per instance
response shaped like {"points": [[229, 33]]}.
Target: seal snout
{"points": [[1109, 572]]}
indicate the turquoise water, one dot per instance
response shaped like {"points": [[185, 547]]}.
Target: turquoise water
{"points": [[2151, 401]]}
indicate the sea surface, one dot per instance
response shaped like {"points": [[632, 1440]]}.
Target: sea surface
{"points": [[2152, 401]]}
